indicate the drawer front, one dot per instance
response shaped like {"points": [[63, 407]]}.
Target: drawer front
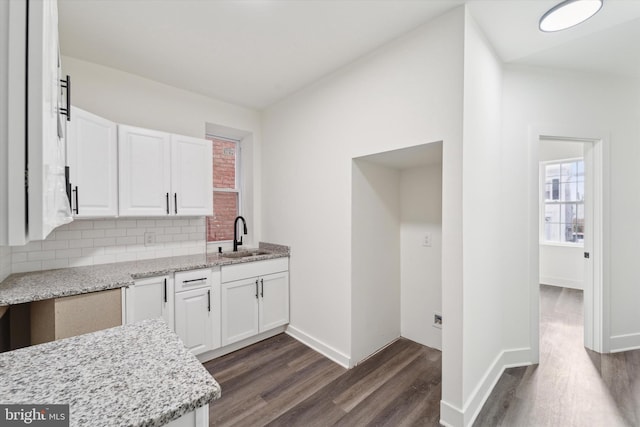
{"points": [[234, 272], [193, 279]]}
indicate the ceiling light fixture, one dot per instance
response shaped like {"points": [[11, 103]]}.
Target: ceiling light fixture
{"points": [[568, 14]]}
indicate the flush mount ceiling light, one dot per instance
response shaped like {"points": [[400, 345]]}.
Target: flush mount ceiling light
{"points": [[568, 14]]}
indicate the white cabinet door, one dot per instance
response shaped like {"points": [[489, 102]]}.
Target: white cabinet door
{"points": [[144, 171], [191, 176], [149, 299], [92, 149], [194, 319], [274, 300], [239, 310]]}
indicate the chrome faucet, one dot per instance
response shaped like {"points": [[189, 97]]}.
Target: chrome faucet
{"points": [[237, 243]]}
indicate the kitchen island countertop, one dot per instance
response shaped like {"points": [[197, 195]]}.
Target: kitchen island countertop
{"points": [[139, 374]]}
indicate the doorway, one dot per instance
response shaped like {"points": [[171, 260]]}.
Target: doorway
{"points": [[575, 220]]}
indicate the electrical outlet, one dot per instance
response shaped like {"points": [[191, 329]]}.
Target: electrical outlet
{"points": [[427, 240], [437, 320], [149, 238]]}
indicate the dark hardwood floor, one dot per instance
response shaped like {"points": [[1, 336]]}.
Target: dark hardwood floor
{"points": [[572, 386], [281, 382]]}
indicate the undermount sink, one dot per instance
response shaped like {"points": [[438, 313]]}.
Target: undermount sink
{"points": [[244, 254]]}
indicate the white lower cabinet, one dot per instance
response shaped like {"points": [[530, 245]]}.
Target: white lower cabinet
{"points": [[255, 304], [197, 309], [149, 299]]}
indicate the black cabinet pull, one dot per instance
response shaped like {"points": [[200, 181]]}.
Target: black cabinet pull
{"points": [[262, 288], [167, 203], [194, 280], [208, 299], [77, 208], [175, 203], [256, 288], [66, 84], [165, 290]]}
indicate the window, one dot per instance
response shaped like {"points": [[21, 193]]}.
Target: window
{"points": [[226, 189], [564, 201]]}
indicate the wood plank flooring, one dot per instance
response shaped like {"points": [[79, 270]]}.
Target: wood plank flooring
{"points": [[572, 386], [281, 382]]}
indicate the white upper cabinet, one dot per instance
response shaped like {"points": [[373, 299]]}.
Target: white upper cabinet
{"points": [[191, 175], [164, 174], [92, 153], [144, 171]]}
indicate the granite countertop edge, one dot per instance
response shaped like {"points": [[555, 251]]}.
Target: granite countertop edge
{"points": [[34, 286], [129, 394]]}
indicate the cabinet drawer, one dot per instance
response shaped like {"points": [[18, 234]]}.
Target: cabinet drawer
{"points": [[253, 269], [194, 279]]}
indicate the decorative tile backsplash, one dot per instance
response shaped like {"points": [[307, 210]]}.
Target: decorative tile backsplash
{"points": [[89, 242]]}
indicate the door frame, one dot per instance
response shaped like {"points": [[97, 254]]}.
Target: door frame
{"points": [[597, 301]]}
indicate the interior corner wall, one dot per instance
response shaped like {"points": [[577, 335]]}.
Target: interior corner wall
{"points": [[375, 258], [405, 93], [420, 265], [535, 96]]}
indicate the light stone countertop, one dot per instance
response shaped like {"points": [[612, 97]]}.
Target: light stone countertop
{"points": [[139, 375], [42, 285]]}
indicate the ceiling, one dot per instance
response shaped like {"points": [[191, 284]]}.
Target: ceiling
{"points": [[256, 52], [407, 158]]}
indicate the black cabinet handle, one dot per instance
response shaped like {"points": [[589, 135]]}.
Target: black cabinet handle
{"points": [[66, 83], [256, 288], [165, 290], [67, 186], [175, 203], [167, 203], [194, 280], [208, 299], [262, 288], [77, 208]]}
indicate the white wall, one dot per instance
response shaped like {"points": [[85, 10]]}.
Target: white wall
{"points": [[89, 242], [607, 104], [406, 93], [5, 262], [561, 265], [483, 244], [130, 99], [421, 266], [375, 258]]}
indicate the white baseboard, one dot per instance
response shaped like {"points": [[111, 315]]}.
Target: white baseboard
{"points": [[559, 281], [618, 343], [212, 354], [452, 416], [322, 348]]}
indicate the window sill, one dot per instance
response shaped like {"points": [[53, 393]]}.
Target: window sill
{"points": [[566, 245]]}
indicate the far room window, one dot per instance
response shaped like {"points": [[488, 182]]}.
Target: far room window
{"points": [[226, 189], [563, 198]]}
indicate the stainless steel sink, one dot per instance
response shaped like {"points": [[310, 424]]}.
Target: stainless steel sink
{"points": [[244, 254]]}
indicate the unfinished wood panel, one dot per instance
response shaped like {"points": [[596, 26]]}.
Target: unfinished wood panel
{"points": [[59, 318]]}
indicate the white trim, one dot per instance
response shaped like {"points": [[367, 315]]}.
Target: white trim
{"points": [[562, 282], [450, 415], [322, 348], [212, 354], [626, 342], [596, 294], [562, 244]]}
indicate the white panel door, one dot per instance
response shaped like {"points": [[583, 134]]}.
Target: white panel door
{"points": [[239, 310], [191, 176], [274, 300], [93, 162], [194, 319], [144, 172], [149, 299]]}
